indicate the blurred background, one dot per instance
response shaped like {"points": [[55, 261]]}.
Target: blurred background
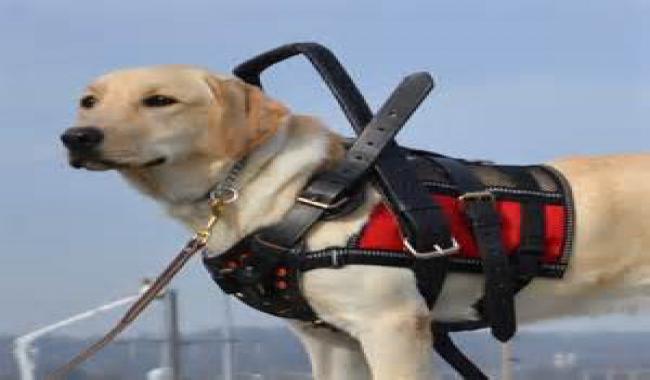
{"points": [[517, 82]]}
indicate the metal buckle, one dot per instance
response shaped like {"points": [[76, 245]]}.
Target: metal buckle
{"points": [[438, 251], [473, 196], [322, 205], [335, 259]]}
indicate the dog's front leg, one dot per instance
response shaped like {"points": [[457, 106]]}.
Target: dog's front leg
{"points": [[333, 355], [381, 308], [398, 345]]}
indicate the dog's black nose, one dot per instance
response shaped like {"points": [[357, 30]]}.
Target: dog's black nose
{"points": [[82, 138]]}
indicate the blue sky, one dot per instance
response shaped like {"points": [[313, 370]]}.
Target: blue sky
{"points": [[518, 82]]}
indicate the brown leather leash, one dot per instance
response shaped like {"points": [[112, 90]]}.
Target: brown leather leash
{"points": [[198, 242]]}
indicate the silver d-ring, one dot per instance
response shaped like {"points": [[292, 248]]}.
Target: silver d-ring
{"points": [[226, 195], [437, 251]]}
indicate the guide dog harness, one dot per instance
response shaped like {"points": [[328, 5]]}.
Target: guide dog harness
{"points": [[509, 224]]}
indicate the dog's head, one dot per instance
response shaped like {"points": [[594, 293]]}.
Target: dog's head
{"points": [[148, 117]]}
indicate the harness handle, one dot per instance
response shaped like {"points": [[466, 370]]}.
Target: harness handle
{"points": [[338, 80]]}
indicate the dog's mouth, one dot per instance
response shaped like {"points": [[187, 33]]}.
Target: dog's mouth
{"points": [[95, 163]]}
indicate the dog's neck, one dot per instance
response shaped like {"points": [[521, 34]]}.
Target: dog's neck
{"points": [[273, 175], [178, 183]]}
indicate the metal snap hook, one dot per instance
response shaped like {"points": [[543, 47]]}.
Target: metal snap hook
{"points": [[224, 196]]}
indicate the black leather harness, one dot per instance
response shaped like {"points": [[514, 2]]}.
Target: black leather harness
{"points": [[264, 269]]}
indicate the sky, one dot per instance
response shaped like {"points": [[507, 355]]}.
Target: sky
{"points": [[517, 82]]}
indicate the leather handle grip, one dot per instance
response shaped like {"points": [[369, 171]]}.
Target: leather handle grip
{"points": [[338, 80]]}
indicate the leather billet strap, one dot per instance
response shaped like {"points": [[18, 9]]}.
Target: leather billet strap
{"points": [[480, 208], [328, 188], [421, 219]]}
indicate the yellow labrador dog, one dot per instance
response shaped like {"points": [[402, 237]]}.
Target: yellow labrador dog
{"points": [[174, 132]]}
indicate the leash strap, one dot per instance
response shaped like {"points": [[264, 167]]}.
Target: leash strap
{"points": [[135, 310], [327, 190]]}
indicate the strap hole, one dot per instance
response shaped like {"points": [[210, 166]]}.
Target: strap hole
{"points": [[392, 113]]}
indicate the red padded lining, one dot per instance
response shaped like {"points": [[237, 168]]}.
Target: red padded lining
{"points": [[382, 231]]}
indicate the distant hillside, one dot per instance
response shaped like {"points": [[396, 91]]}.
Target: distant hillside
{"points": [[276, 354], [257, 349]]}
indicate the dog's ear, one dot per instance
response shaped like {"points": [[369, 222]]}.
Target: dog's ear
{"points": [[248, 116]]}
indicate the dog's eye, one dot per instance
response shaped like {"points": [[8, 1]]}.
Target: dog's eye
{"points": [[158, 101], [88, 101]]}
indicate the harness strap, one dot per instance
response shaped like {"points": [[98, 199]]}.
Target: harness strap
{"points": [[533, 221], [340, 257], [447, 349], [430, 274], [479, 206], [530, 252], [327, 189], [471, 325], [421, 220]]}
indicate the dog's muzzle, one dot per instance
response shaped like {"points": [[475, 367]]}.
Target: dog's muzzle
{"points": [[83, 145], [82, 139]]}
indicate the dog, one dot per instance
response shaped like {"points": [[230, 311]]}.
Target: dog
{"points": [[173, 132]]}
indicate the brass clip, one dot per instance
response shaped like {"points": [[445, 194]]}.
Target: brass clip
{"points": [[216, 206]]}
